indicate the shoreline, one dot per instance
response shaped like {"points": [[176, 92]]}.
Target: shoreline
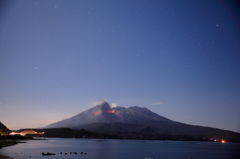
{"points": [[12, 140], [6, 143], [5, 157]]}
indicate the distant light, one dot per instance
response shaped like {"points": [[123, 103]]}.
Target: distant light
{"points": [[223, 141], [12, 133]]}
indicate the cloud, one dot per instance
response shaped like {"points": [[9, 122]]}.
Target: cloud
{"points": [[158, 103], [113, 105], [103, 101], [99, 102]]}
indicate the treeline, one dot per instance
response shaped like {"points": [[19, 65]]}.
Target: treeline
{"points": [[83, 133]]}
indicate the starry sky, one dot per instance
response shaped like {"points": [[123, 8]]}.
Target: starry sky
{"points": [[180, 59]]}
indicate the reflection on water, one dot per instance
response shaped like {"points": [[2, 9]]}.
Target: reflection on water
{"points": [[121, 149]]}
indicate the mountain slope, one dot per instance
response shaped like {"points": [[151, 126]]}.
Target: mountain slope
{"points": [[137, 121], [3, 129]]}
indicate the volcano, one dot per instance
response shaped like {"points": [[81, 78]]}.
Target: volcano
{"points": [[137, 121]]}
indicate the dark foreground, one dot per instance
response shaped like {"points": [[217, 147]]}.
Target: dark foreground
{"points": [[4, 157], [4, 143], [12, 140]]}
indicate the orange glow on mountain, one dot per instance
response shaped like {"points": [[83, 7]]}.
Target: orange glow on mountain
{"points": [[97, 112], [111, 111]]}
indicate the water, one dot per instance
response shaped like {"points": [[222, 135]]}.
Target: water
{"points": [[122, 149]]}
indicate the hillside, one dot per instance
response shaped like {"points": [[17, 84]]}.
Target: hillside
{"points": [[3, 129]]}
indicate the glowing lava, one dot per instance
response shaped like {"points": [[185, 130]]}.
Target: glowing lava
{"points": [[97, 112], [111, 111]]}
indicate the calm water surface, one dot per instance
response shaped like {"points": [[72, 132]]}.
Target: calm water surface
{"points": [[122, 149]]}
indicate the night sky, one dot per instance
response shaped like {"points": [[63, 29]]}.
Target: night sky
{"points": [[178, 58]]}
